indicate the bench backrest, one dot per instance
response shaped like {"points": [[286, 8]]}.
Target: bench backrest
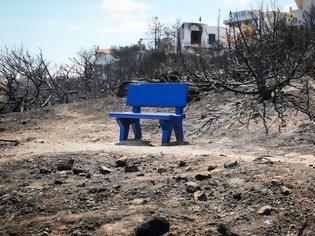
{"points": [[157, 95]]}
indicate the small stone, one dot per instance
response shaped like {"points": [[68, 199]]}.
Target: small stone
{"points": [[88, 175], [211, 167], [201, 177], [122, 162], [104, 170], [182, 164], [98, 189], [192, 187], [231, 165], [44, 170], [58, 182], [285, 190], [131, 168], [156, 226], [237, 196], [265, 210], [275, 182], [161, 170], [65, 165], [78, 170], [200, 196], [81, 184], [181, 178]]}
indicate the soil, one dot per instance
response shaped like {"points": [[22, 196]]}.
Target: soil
{"points": [[62, 177]]}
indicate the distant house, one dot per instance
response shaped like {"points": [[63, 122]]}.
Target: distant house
{"points": [[248, 17], [193, 36], [245, 17], [104, 57]]}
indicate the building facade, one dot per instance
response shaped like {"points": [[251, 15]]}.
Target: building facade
{"points": [[193, 36]]}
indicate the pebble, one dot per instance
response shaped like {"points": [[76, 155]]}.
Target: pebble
{"points": [[200, 196], [182, 164], [231, 165], [44, 170], [161, 170], [192, 187], [201, 177], [65, 165], [58, 182], [285, 190], [211, 167], [98, 189], [181, 178], [131, 168], [78, 170], [104, 170], [122, 162], [265, 210]]}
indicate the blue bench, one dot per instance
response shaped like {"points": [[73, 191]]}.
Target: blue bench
{"points": [[154, 95]]}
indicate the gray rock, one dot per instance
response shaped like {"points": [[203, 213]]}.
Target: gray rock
{"points": [[44, 170], [65, 165], [58, 182], [104, 170], [211, 167], [131, 168], [192, 187], [161, 170], [285, 190], [265, 210], [200, 196], [98, 189], [181, 178], [201, 177], [231, 165], [78, 170], [122, 162], [182, 164]]}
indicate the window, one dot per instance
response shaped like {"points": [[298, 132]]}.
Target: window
{"points": [[211, 38], [196, 37]]}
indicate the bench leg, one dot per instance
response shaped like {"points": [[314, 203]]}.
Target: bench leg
{"points": [[124, 125], [166, 131], [178, 130], [136, 129]]}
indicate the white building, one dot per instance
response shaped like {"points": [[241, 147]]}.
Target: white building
{"points": [[104, 57], [244, 17], [193, 36], [248, 17]]}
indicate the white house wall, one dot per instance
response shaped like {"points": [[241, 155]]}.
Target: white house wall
{"points": [[185, 34]]}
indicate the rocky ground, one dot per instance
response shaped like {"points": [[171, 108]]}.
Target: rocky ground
{"points": [[64, 174]]}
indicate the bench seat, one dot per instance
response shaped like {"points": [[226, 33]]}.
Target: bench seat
{"points": [[146, 115], [168, 95]]}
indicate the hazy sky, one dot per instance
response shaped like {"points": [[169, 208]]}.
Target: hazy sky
{"points": [[62, 27]]}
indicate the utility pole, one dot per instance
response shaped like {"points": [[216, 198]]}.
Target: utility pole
{"points": [[219, 19]]}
